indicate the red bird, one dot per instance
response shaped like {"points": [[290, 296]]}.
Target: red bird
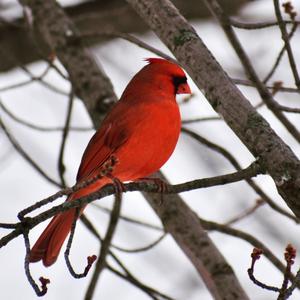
{"points": [[141, 132]]}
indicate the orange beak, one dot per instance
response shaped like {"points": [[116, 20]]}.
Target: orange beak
{"points": [[184, 88]]}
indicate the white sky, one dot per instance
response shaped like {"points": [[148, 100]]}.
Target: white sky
{"points": [[164, 267]]}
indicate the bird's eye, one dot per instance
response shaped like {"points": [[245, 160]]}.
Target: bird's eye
{"points": [[177, 80]]}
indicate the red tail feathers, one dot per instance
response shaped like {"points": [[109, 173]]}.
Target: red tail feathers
{"points": [[48, 245], [51, 240]]}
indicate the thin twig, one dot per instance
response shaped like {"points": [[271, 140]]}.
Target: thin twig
{"points": [[222, 228], [38, 127], [246, 82], [289, 256], [237, 166], [107, 190], [286, 39], [63, 192], [33, 77], [280, 55], [60, 165], [15, 85], [255, 256], [225, 229], [293, 286], [32, 80], [101, 263], [44, 281], [131, 278], [66, 191], [90, 259], [129, 219], [154, 294], [289, 109], [27, 158], [258, 203], [8, 226], [267, 97], [49, 61], [128, 276], [258, 25], [202, 119], [129, 38], [141, 249]]}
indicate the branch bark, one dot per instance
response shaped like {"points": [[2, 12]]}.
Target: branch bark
{"points": [[184, 226], [19, 48], [216, 10], [62, 37], [29, 223], [252, 129], [89, 83]]}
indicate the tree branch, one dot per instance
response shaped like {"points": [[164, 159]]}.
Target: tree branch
{"points": [[286, 39], [91, 15], [93, 87], [107, 190], [252, 129], [182, 223], [101, 263], [265, 94], [237, 166], [61, 35], [26, 156]]}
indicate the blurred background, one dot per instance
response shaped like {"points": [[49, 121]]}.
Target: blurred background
{"points": [[44, 103]]}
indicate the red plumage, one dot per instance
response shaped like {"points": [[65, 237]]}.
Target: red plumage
{"points": [[141, 131]]}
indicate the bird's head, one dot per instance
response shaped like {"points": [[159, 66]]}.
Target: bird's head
{"points": [[166, 76]]}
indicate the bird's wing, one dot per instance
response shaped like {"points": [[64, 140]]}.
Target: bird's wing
{"points": [[100, 148], [115, 130], [119, 125]]}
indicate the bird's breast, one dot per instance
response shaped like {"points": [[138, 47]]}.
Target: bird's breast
{"points": [[153, 140]]}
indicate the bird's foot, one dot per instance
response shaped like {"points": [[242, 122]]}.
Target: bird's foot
{"points": [[118, 184], [107, 171], [161, 186]]}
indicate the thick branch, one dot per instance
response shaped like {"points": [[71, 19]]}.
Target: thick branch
{"points": [[176, 217], [18, 47], [265, 94], [252, 129], [89, 82], [183, 224], [150, 187], [59, 32]]}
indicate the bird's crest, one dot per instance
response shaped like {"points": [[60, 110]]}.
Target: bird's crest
{"points": [[155, 60]]}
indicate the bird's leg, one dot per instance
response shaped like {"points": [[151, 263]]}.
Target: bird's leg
{"points": [[161, 185], [118, 184]]}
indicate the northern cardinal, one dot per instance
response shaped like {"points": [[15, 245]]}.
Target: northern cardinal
{"points": [[140, 132]]}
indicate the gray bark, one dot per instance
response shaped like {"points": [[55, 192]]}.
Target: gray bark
{"points": [[253, 130], [93, 87], [18, 47]]}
